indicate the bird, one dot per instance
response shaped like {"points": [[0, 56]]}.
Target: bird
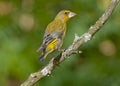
{"points": [[55, 33]]}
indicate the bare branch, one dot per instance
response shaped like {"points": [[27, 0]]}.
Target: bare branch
{"points": [[78, 41]]}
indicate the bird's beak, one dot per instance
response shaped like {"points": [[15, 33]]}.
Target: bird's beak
{"points": [[71, 14]]}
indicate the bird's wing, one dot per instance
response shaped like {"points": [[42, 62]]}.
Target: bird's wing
{"points": [[48, 38], [52, 32]]}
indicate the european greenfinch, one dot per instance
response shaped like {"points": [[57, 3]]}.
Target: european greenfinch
{"points": [[54, 33]]}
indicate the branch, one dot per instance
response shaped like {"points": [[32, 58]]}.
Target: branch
{"points": [[78, 41]]}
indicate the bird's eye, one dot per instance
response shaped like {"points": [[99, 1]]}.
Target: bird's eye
{"points": [[66, 13]]}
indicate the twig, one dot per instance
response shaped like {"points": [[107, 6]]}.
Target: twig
{"points": [[78, 41]]}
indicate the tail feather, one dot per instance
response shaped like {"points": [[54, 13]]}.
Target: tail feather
{"points": [[42, 58], [39, 49]]}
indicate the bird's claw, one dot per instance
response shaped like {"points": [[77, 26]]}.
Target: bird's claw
{"points": [[61, 50]]}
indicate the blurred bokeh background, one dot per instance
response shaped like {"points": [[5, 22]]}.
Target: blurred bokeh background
{"points": [[22, 25]]}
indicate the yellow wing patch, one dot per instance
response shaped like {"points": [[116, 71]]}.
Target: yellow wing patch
{"points": [[53, 44]]}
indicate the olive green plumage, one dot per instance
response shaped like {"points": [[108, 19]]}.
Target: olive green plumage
{"points": [[54, 33]]}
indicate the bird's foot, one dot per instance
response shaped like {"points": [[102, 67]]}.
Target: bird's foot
{"points": [[61, 50]]}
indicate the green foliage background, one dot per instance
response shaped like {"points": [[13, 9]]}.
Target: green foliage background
{"points": [[22, 25]]}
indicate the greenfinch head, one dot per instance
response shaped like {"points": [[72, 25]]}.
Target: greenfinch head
{"points": [[65, 15]]}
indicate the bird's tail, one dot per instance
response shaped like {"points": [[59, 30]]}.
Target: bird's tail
{"points": [[42, 57], [39, 49]]}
